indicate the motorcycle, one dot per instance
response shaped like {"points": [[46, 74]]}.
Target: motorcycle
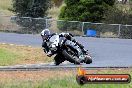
{"points": [[64, 50]]}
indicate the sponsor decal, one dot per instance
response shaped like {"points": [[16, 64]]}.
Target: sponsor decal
{"points": [[84, 78]]}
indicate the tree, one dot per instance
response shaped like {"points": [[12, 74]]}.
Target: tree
{"points": [[30, 8], [27, 10], [85, 10]]}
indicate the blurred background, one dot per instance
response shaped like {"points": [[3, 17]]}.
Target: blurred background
{"points": [[116, 21]]}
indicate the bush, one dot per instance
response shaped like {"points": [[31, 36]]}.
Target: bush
{"points": [[27, 11], [30, 8], [116, 16], [71, 2], [84, 10], [110, 2]]}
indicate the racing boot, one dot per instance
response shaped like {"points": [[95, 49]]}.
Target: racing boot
{"points": [[85, 51]]}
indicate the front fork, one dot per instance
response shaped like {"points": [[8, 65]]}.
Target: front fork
{"points": [[72, 44]]}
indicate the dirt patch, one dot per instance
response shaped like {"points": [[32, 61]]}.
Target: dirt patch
{"points": [[49, 74], [27, 54], [34, 75]]}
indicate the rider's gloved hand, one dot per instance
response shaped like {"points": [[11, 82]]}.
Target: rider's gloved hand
{"points": [[49, 54], [44, 44]]}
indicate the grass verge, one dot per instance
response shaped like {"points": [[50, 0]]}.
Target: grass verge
{"points": [[7, 57], [55, 79], [12, 55]]}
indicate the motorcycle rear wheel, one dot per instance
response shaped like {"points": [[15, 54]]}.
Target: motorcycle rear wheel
{"points": [[88, 60]]}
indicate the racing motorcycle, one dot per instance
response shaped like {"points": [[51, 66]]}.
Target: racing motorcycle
{"points": [[63, 49]]}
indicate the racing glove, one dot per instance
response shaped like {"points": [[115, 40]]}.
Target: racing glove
{"points": [[49, 54]]}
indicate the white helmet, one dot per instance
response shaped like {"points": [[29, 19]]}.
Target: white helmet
{"points": [[45, 32]]}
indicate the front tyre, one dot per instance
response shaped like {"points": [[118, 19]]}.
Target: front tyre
{"points": [[70, 57], [58, 59]]}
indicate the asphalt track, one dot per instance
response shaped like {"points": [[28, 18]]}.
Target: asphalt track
{"points": [[106, 52]]}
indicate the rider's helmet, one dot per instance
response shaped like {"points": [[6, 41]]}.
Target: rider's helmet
{"points": [[45, 33]]}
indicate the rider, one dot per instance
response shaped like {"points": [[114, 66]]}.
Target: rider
{"points": [[46, 35]]}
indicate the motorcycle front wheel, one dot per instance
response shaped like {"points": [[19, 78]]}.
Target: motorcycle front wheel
{"points": [[70, 57], [59, 59]]}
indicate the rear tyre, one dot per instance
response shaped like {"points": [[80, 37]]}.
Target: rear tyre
{"points": [[70, 57], [88, 60]]}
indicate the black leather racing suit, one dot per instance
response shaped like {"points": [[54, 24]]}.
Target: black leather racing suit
{"points": [[68, 36]]}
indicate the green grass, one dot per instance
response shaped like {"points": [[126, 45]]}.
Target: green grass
{"points": [[7, 57], [13, 55], [69, 82]]}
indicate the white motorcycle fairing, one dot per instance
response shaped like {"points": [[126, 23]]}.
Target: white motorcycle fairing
{"points": [[53, 42]]}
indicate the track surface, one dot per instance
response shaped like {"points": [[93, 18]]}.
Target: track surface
{"points": [[106, 52]]}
